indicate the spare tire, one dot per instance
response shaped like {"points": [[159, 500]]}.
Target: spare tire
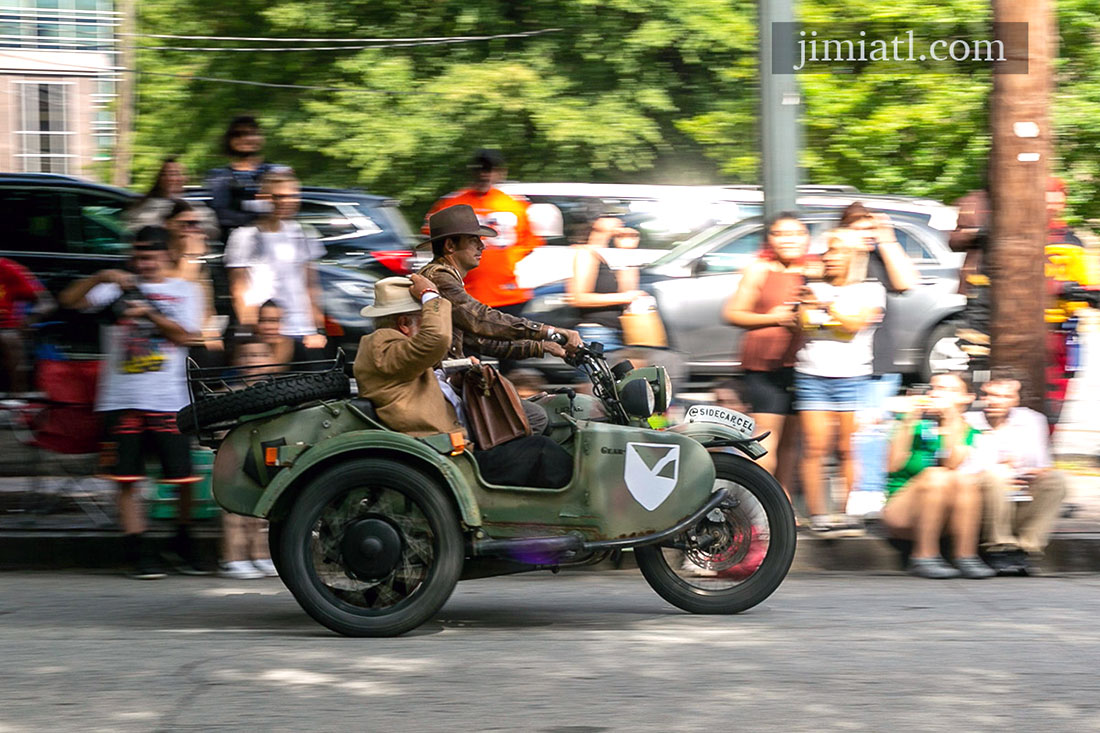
{"points": [[290, 391]]}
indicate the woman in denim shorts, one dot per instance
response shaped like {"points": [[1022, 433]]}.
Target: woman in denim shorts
{"points": [[839, 317]]}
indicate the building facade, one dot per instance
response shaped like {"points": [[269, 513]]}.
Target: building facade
{"points": [[58, 77]]}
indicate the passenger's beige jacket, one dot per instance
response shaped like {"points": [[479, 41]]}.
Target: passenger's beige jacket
{"points": [[395, 373]]}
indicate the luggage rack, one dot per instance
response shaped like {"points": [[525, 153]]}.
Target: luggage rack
{"points": [[222, 390]]}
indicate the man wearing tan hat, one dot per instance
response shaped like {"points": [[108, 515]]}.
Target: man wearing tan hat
{"points": [[455, 239], [394, 369]]}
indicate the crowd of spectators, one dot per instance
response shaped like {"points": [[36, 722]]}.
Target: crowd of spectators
{"points": [[816, 356]]}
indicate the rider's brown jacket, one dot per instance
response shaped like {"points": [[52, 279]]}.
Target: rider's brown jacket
{"points": [[395, 372], [480, 329]]}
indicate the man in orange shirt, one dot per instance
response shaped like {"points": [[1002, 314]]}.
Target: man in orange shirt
{"points": [[494, 281]]}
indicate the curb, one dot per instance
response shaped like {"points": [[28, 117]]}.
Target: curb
{"points": [[52, 550]]}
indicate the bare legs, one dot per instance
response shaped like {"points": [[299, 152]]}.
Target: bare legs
{"points": [[934, 496], [774, 423], [821, 432]]}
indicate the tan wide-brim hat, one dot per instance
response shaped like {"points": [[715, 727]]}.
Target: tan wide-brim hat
{"points": [[391, 296], [455, 221]]}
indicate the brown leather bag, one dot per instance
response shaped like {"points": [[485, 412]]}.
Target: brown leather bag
{"points": [[494, 414]]}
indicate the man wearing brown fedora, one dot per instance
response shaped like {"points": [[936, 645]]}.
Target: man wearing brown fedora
{"points": [[394, 370], [455, 238]]}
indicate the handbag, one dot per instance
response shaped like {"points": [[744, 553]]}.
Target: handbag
{"points": [[494, 413], [643, 329]]}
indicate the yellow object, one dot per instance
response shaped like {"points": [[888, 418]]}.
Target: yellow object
{"points": [[1068, 263]]}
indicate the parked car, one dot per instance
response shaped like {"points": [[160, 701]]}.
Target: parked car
{"points": [[62, 228], [692, 281]]}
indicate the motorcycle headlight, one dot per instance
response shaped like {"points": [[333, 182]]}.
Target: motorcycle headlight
{"points": [[637, 398]]}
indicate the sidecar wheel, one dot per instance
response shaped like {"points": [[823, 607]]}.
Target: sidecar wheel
{"points": [[371, 548], [746, 554]]}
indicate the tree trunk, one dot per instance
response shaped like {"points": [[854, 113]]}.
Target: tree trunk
{"points": [[1018, 172]]}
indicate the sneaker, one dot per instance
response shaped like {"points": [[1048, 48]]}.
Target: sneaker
{"points": [[1003, 562], [265, 566], [147, 565], [932, 567], [145, 570], [185, 556], [821, 523], [240, 570], [1025, 563], [845, 525], [973, 568]]}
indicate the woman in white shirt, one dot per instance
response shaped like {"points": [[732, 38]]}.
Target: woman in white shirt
{"points": [[839, 316]]}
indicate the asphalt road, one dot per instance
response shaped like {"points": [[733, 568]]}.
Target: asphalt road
{"points": [[577, 653]]}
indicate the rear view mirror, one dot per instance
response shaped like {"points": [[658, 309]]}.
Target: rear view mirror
{"points": [[699, 267]]}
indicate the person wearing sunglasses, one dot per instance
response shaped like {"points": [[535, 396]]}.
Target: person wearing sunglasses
{"points": [[233, 189]]}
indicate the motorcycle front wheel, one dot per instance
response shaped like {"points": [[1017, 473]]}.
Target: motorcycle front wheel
{"points": [[737, 555]]}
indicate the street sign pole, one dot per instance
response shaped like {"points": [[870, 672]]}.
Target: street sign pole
{"points": [[779, 107]]}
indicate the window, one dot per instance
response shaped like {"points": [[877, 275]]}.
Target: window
{"points": [[734, 255], [336, 220], [101, 227], [32, 221], [42, 139], [912, 245]]}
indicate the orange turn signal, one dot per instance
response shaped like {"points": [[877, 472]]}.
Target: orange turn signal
{"points": [[271, 455], [458, 444]]}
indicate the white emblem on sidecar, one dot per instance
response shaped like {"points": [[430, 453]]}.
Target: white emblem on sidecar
{"points": [[651, 472]]}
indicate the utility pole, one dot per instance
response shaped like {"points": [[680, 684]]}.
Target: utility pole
{"points": [[779, 108], [1018, 170], [124, 117]]}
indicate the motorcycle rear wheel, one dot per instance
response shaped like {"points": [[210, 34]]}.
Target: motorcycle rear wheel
{"points": [[751, 546]]}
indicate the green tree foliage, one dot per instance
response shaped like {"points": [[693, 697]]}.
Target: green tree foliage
{"points": [[626, 90]]}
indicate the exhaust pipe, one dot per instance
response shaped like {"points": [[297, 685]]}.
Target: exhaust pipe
{"points": [[537, 550]]}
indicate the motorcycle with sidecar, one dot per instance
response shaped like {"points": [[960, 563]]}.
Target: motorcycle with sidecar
{"points": [[371, 529]]}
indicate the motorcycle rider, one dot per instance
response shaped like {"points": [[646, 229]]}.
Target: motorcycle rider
{"points": [[455, 238]]}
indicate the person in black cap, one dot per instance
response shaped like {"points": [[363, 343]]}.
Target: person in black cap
{"points": [[233, 188], [142, 384]]}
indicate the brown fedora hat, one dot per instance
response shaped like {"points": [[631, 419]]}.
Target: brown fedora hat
{"points": [[454, 221]]}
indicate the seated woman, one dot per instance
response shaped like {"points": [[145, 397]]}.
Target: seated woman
{"points": [[928, 487]]}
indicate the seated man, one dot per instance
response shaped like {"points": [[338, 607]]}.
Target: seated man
{"points": [[1022, 492], [928, 489], [394, 369]]}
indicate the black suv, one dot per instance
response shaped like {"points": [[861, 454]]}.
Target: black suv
{"points": [[62, 228]]}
